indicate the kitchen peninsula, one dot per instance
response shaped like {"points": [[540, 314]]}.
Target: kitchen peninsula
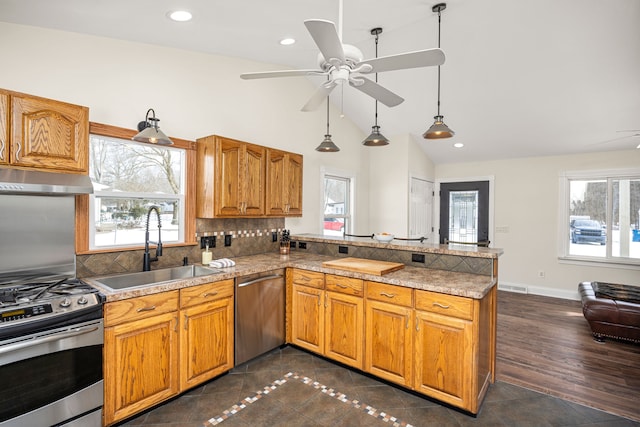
{"points": [[428, 326]]}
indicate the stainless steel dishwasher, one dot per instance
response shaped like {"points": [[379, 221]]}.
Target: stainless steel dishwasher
{"points": [[260, 315]]}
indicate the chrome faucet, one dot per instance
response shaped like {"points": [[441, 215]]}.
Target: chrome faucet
{"points": [[147, 260]]}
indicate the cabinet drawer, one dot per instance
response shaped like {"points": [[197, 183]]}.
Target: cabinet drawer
{"points": [[308, 278], [449, 305], [390, 293], [204, 293], [140, 308], [345, 285]]}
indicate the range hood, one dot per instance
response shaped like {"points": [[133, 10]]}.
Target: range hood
{"points": [[23, 181]]}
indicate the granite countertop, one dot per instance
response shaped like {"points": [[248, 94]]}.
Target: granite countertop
{"points": [[462, 284], [405, 245]]}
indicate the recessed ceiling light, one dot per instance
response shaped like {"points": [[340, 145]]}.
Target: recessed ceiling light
{"points": [[458, 145], [180, 15], [288, 41]]}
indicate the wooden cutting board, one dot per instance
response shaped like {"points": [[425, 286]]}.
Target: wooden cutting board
{"points": [[360, 265]]}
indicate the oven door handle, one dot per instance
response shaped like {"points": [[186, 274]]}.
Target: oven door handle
{"points": [[55, 337]]}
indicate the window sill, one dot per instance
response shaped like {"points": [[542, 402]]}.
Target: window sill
{"points": [[134, 248], [623, 263]]}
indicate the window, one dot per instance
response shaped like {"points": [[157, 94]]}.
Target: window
{"points": [[337, 203], [602, 216], [128, 179]]}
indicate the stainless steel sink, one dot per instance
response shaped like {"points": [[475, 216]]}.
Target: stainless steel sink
{"points": [[143, 278]]}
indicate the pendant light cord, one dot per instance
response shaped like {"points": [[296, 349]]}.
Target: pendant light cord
{"points": [[376, 115], [439, 20]]}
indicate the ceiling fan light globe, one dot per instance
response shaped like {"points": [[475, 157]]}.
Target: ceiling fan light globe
{"points": [[376, 139], [438, 130]]}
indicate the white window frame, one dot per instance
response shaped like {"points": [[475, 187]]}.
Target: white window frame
{"points": [[181, 197], [564, 213], [351, 176]]}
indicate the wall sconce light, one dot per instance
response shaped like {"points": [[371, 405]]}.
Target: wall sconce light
{"points": [[149, 132]]}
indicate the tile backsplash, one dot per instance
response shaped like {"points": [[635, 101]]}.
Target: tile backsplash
{"points": [[249, 236]]}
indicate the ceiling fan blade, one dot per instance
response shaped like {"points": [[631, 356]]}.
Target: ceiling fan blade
{"points": [[325, 35], [376, 91], [402, 61], [319, 96], [283, 73]]}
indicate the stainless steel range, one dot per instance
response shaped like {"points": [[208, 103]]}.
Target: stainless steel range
{"points": [[51, 329]]}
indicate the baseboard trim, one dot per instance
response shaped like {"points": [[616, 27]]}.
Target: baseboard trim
{"points": [[539, 290]]}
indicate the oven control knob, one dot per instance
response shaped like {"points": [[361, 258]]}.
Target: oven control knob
{"points": [[82, 300], [65, 302]]}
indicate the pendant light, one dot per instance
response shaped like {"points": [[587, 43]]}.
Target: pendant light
{"points": [[439, 129], [327, 145], [376, 139], [150, 132]]}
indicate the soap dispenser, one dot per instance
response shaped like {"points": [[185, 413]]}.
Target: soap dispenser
{"points": [[207, 256]]}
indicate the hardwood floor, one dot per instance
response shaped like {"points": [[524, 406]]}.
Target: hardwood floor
{"points": [[545, 344]]}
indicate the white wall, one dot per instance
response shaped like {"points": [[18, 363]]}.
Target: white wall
{"points": [[526, 201], [193, 94]]}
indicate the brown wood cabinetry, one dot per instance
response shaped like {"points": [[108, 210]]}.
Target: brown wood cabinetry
{"points": [[284, 183], [329, 322], [159, 345], [389, 332], [141, 354], [239, 179], [43, 133], [206, 335]]}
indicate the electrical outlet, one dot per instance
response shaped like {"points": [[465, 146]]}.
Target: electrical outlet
{"points": [[541, 274], [274, 236], [302, 245], [417, 258], [227, 239], [343, 249], [205, 239], [502, 229], [292, 245]]}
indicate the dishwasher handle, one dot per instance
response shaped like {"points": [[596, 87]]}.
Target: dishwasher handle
{"points": [[260, 279]]}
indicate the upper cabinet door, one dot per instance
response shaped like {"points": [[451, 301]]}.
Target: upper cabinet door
{"points": [[49, 134], [4, 128], [253, 179], [227, 182], [284, 183]]}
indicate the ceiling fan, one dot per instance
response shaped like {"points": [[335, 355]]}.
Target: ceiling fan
{"points": [[634, 135], [344, 63]]}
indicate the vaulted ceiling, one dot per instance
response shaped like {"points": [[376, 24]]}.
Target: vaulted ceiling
{"points": [[521, 78]]}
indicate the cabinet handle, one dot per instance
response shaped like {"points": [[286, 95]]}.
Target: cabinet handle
{"points": [[210, 294], [175, 329], [18, 150], [186, 321], [325, 301], [437, 304], [417, 324], [340, 285], [2, 149], [149, 308], [384, 294], [407, 327]]}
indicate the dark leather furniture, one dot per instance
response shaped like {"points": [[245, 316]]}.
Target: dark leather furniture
{"points": [[612, 310]]}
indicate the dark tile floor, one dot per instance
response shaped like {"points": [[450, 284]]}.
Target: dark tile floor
{"points": [[290, 387]]}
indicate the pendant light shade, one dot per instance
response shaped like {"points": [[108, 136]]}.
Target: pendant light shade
{"points": [[149, 131], [376, 139], [438, 129], [327, 145]]}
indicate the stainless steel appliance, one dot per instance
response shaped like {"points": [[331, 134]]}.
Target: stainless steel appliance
{"points": [[259, 314], [51, 329]]}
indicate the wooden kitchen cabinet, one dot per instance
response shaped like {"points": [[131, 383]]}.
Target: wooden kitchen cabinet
{"points": [[43, 133], [307, 323], [230, 178], [344, 320], [141, 354], [206, 332], [284, 183], [389, 332]]}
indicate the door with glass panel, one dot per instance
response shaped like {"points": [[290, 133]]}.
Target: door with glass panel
{"points": [[464, 211]]}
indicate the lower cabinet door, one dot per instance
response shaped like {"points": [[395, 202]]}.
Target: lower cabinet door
{"points": [[388, 341], [307, 312], [206, 342], [141, 365], [444, 359], [344, 329]]}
